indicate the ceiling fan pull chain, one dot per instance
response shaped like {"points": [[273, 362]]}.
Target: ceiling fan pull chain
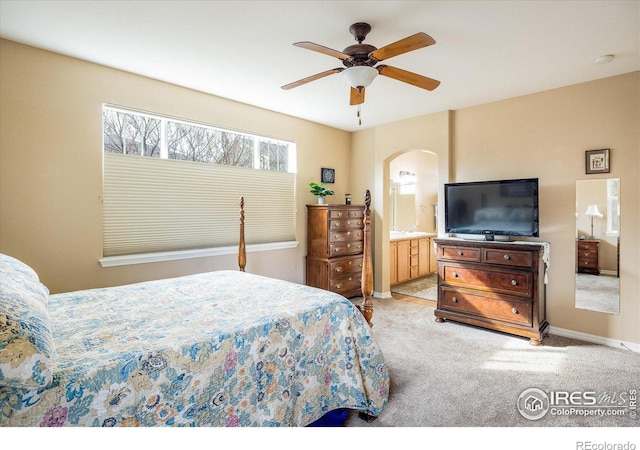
{"points": [[358, 115]]}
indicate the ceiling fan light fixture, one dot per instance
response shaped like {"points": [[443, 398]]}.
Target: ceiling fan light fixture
{"points": [[360, 76]]}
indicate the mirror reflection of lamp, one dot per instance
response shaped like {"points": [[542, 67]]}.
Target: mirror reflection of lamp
{"points": [[592, 211]]}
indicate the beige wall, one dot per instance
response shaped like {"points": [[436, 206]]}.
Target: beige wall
{"points": [[543, 135], [51, 165], [374, 149], [51, 181], [417, 210]]}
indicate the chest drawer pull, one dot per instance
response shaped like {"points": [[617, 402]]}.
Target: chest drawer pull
{"points": [[454, 300], [514, 283], [460, 253], [338, 269], [454, 274], [514, 310], [339, 286], [507, 257]]}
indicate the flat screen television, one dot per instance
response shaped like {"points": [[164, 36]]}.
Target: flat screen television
{"points": [[492, 208]]}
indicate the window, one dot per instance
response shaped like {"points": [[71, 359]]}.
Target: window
{"points": [[613, 206], [175, 186]]}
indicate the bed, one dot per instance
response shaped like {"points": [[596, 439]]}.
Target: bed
{"points": [[225, 348]]}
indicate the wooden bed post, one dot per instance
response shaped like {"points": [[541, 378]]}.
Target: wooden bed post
{"points": [[242, 252], [367, 266]]}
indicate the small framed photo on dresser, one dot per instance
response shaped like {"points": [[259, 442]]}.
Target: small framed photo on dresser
{"points": [[597, 161]]}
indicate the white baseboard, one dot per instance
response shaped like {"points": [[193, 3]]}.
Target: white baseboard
{"points": [[382, 294], [615, 343]]}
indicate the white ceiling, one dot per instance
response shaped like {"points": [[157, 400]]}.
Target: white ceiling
{"points": [[242, 50]]}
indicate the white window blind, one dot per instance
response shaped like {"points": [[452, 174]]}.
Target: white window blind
{"points": [[160, 205]]}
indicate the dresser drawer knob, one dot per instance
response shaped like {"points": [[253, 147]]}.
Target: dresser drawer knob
{"points": [[348, 245], [507, 257], [348, 233], [514, 283], [338, 286], [514, 310], [454, 299], [338, 269], [454, 274], [460, 253], [339, 214]]}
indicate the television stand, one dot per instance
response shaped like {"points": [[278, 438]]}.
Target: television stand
{"points": [[494, 285]]}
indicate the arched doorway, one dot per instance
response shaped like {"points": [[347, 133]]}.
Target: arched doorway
{"points": [[413, 223]]}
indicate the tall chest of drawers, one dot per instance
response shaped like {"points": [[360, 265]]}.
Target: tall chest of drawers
{"points": [[335, 245], [495, 285]]}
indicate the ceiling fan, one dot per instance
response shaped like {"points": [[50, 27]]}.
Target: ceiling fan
{"points": [[360, 62]]}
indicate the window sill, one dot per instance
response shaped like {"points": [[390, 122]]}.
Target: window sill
{"points": [[126, 260]]}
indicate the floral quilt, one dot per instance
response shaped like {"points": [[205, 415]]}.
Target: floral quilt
{"points": [[224, 348]]}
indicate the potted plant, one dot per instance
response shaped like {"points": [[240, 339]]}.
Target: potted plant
{"points": [[320, 191]]}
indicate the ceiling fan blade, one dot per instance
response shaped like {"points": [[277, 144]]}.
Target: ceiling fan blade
{"points": [[405, 45], [408, 77], [357, 96], [322, 49], [312, 78]]}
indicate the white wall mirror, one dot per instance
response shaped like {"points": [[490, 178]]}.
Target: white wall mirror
{"points": [[597, 262]]}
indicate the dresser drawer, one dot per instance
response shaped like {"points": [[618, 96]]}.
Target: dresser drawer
{"points": [[508, 257], [458, 253], [345, 248], [345, 266], [587, 246], [344, 224], [346, 214], [345, 283], [587, 255], [518, 283], [588, 263], [346, 235], [512, 310]]}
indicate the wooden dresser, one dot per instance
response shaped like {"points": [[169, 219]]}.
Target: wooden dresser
{"points": [[334, 248], [495, 285], [587, 258]]}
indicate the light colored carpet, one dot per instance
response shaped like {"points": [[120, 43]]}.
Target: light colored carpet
{"points": [[598, 293], [455, 375], [425, 287]]}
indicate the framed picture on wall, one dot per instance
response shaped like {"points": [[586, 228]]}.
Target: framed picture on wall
{"points": [[327, 175], [597, 161]]}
